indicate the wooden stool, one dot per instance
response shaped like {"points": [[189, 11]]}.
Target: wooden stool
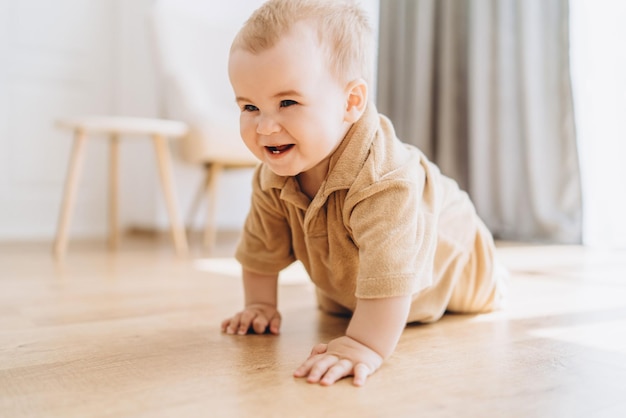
{"points": [[113, 126]]}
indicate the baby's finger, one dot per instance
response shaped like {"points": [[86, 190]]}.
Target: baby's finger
{"points": [[259, 324], [275, 324], [318, 349], [340, 370], [320, 367], [361, 372], [245, 321], [225, 324], [232, 324], [305, 367]]}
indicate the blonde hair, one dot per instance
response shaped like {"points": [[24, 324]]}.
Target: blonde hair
{"points": [[343, 29]]}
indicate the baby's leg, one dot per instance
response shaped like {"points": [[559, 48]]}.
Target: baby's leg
{"points": [[483, 283]]}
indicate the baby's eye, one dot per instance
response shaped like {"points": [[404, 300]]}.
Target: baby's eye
{"points": [[287, 103], [250, 108]]}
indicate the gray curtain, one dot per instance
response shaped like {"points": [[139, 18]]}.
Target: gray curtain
{"points": [[483, 88]]}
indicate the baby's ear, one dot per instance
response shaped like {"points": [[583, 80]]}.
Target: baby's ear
{"points": [[356, 100]]}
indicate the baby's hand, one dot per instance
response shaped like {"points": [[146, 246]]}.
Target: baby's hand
{"points": [[256, 317], [339, 358]]}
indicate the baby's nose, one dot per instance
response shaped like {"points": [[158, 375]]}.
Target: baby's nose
{"points": [[267, 125]]}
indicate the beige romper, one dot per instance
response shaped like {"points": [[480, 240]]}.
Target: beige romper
{"points": [[385, 222]]}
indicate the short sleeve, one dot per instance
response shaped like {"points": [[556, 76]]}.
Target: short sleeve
{"points": [[394, 225], [265, 245]]}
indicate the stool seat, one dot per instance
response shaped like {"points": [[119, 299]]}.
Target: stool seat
{"points": [[125, 125], [115, 127]]}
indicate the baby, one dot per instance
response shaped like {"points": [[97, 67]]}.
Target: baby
{"points": [[383, 235]]}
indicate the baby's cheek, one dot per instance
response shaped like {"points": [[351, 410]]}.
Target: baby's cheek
{"points": [[248, 134], [245, 125]]}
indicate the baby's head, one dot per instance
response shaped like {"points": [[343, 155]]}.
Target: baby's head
{"points": [[299, 70], [342, 27]]}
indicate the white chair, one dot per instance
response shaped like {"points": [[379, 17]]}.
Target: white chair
{"points": [[192, 41]]}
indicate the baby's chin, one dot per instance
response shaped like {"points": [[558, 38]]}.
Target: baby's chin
{"points": [[283, 172]]}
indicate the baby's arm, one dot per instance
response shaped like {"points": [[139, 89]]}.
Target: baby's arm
{"points": [[260, 312], [371, 337]]}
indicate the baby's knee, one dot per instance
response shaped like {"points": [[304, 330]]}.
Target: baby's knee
{"points": [[479, 296], [328, 305]]}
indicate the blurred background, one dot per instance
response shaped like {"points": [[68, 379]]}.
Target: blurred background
{"points": [[523, 102]]}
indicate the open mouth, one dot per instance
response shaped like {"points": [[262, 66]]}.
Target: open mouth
{"points": [[279, 149]]}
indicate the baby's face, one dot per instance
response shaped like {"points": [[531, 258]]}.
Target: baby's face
{"points": [[293, 110]]}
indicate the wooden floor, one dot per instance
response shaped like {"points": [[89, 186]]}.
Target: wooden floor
{"points": [[136, 334]]}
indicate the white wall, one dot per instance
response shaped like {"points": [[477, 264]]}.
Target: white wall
{"points": [[56, 60], [73, 57]]}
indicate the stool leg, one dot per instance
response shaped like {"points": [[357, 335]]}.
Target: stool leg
{"points": [[210, 230], [113, 191], [200, 194], [69, 194], [165, 171]]}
